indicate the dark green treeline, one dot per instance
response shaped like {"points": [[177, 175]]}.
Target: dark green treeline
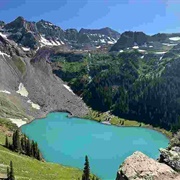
{"points": [[21, 144]]}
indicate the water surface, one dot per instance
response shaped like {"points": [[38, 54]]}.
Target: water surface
{"points": [[67, 140]]}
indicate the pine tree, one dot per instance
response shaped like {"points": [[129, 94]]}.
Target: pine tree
{"points": [[16, 141], [11, 173], [38, 155], [28, 147], [33, 149], [7, 142], [8, 173], [86, 171], [23, 146]]}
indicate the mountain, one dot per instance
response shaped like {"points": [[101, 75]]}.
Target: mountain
{"points": [[104, 35], [139, 40], [130, 39], [43, 33], [2, 23], [28, 85]]}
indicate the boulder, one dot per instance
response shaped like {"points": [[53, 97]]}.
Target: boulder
{"points": [[138, 166], [171, 157]]}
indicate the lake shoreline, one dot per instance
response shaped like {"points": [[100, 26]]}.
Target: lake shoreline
{"points": [[168, 134]]}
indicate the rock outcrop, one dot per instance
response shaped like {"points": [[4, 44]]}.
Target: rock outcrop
{"points": [[138, 166], [171, 157]]}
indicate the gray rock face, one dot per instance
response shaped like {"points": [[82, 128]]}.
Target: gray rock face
{"points": [[171, 157], [44, 33], [43, 87], [157, 41], [140, 167], [128, 39]]}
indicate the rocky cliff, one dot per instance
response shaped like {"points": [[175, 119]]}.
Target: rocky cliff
{"points": [[43, 33]]}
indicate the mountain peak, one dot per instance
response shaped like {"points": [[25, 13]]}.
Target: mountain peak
{"points": [[2, 23], [104, 31], [20, 18]]}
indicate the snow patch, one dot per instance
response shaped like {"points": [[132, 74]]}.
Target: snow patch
{"points": [[18, 122], [35, 106], [121, 51], [22, 90], [4, 91], [3, 35], [142, 57], [175, 38], [25, 49], [160, 52], [44, 41], [4, 54], [110, 42], [62, 42], [141, 50], [150, 46], [135, 47], [68, 88], [98, 47], [102, 41], [160, 58], [167, 44]]}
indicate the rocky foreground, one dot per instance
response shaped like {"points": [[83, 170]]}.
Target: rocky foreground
{"points": [[138, 166]]}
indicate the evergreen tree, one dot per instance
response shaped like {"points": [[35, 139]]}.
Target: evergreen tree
{"points": [[86, 171], [33, 149], [28, 147], [36, 150], [23, 144], [11, 173], [7, 142], [39, 155], [8, 173], [16, 141]]}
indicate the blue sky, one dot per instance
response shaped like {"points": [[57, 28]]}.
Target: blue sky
{"points": [[149, 16]]}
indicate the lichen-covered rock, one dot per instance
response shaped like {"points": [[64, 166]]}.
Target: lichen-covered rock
{"points": [[138, 166], [171, 157]]}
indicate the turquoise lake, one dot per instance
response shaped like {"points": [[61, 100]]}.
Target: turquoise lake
{"points": [[67, 140]]}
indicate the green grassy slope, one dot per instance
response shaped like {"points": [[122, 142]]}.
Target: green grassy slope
{"points": [[10, 106], [29, 168]]}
